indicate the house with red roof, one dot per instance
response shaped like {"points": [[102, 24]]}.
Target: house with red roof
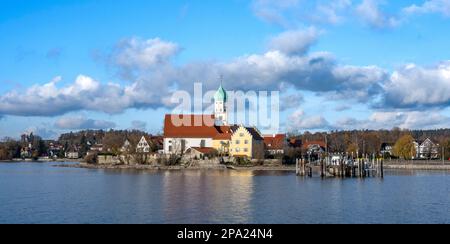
{"points": [[275, 144]]}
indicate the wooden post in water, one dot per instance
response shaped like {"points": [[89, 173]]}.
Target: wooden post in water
{"points": [[339, 168], [322, 171], [353, 168], [297, 169], [303, 169], [381, 169], [359, 168], [377, 167], [362, 167]]}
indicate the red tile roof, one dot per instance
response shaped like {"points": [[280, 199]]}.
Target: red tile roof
{"points": [[275, 142], [200, 126], [255, 134], [204, 150], [307, 144], [189, 126]]}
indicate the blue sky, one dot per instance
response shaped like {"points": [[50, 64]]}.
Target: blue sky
{"points": [[347, 64]]}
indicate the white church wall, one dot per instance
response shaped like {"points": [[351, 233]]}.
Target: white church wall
{"points": [[176, 144]]}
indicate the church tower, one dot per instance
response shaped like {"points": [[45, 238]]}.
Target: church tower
{"points": [[220, 106]]}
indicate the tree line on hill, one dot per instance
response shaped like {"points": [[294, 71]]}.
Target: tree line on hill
{"points": [[83, 140], [370, 141], [355, 141], [113, 140]]}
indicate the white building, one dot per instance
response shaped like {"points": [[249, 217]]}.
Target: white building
{"points": [[177, 139], [126, 147], [72, 153], [426, 149], [143, 146]]}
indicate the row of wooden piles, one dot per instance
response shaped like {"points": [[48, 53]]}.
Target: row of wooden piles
{"points": [[360, 168]]}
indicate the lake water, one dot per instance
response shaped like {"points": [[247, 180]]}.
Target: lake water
{"points": [[41, 193]]}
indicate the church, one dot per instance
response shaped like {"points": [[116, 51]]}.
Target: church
{"points": [[214, 133]]}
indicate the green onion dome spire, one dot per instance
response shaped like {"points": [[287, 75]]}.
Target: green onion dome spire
{"points": [[221, 95]]}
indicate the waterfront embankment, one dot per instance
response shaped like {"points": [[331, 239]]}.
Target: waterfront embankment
{"points": [[389, 165], [417, 165], [39, 160], [177, 167]]}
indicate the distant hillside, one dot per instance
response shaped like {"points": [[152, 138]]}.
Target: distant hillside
{"points": [[99, 136], [370, 141]]}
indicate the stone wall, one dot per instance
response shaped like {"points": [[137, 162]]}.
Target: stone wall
{"points": [[107, 159], [267, 162]]}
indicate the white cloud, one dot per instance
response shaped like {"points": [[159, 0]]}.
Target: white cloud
{"points": [[297, 121], [403, 119], [332, 12], [433, 119], [430, 6], [144, 54], [79, 123], [291, 101], [295, 42], [150, 87], [295, 13], [370, 12], [292, 14], [417, 87], [49, 100]]}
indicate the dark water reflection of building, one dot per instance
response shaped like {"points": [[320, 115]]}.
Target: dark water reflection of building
{"points": [[219, 196]]}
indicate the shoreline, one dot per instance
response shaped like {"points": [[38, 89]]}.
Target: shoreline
{"points": [[155, 167], [239, 168], [286, 168], [41, 160], [418, 167]]}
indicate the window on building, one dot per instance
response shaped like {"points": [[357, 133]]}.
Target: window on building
{"points": [[202, 143], [241, 134], [170, 148], [245, 149], [246, 141], [238, 142], [238, 149]]}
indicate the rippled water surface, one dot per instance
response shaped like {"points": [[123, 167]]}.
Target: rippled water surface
{"points": [[41, 193]]}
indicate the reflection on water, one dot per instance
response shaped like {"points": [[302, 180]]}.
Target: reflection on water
{"points": [[39, 193], [211, 195]]}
